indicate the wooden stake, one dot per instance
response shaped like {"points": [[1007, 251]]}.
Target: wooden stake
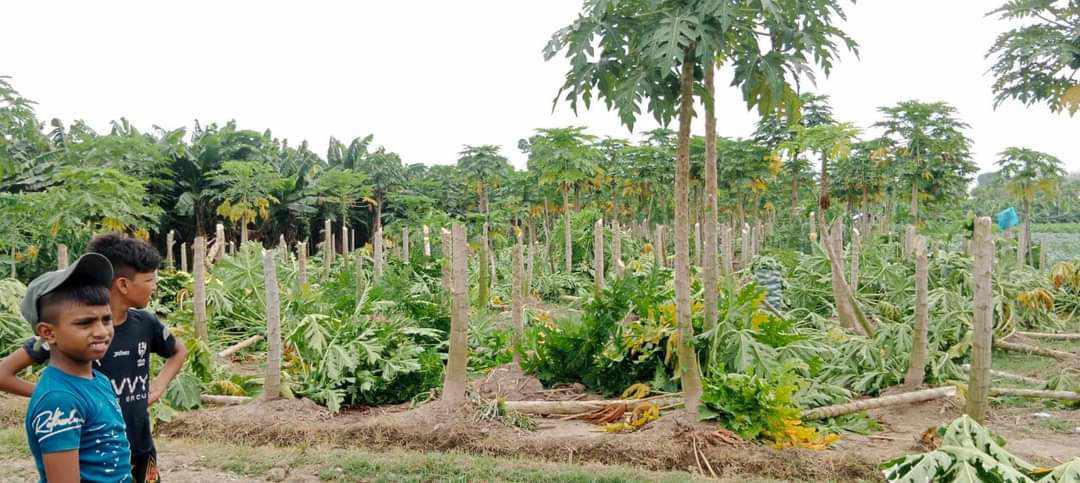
{"points": [[272, 380], [983, 323], [458, 359], [199, 298]]}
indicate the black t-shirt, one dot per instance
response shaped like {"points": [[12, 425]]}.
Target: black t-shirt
{"points": [[127, 365]]}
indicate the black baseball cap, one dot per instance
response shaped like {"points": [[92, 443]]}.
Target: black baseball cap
{"points": [[93, 268]]}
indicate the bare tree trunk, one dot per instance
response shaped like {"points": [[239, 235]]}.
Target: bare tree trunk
{"points": [[169, 243], [983, 323], [568, 245], [728, 249], [745, 256], [243, 232], [62, 261], [517, 308], [833, 244], [377, 254], [484, 272], [328, 243], [658, 246], [183, 258], [301, 265], [1034, 350], [1025, 239], [447, 260], [697, 244], [856, 254], [1049, 335], [199, 299], [344, 239], [909, 240], [710, 276], [405, 245], [688, 361], [878, 402], [458, 358], [219, 243], [272, 382], [917, 366], [813, 228], [598, 253], [359, 274], [915, 204], [616, 248], [244, 344], [427, 241]]}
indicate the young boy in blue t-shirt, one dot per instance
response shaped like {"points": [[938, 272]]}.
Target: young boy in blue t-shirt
{"points": [[73, 423]]}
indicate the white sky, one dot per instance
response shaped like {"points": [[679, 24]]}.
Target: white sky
{"points": [[427, 77]]}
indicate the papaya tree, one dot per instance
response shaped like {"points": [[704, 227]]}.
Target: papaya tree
{"points": [[933, 154], [651, 54], [1027, 173], [1038, 61], [246, 192]]}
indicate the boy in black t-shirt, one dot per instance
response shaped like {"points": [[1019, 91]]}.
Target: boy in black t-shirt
{"points": [[138, 333]]}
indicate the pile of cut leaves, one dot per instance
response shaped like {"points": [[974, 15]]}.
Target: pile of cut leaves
{"points": [[970, 453]]}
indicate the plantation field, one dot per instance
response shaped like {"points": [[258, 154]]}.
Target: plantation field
{"points": [[1061, 241]]}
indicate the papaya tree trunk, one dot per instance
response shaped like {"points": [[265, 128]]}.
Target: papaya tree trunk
{"points": [[982, 323], [272, 381], [919, 346], [199, 271], [568, 246], [688, 360], [517, 308], [710, 276], [458, 358]]}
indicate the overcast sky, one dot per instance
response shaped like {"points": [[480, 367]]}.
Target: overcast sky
{"points": [[426, 77]]}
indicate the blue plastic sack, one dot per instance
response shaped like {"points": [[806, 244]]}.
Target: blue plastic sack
{"points": [[1007, 219]]}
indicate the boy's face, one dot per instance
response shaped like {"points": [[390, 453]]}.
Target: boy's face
{"points": [[139, 288], [80, 332]]}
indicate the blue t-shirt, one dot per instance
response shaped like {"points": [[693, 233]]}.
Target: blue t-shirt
{"points": [[69, 412]]}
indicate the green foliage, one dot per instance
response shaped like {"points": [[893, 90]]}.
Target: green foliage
{"points": [[1037, 61], [751, 405], [971, 453], [13, 329]]}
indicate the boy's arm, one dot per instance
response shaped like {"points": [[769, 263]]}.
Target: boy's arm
{"points": [[62, 467], [172, 367], [10, 367]]}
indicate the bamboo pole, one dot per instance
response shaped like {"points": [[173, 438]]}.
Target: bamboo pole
{"points": [[244, 344], [62, 261], [272, 380], [199, 298], [598, 253], [878, 402], [917, 363], [458, 358], [983, 323]]}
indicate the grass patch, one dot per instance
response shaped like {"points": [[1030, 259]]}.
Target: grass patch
{"points": [[335, 464], [13, 443]]}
